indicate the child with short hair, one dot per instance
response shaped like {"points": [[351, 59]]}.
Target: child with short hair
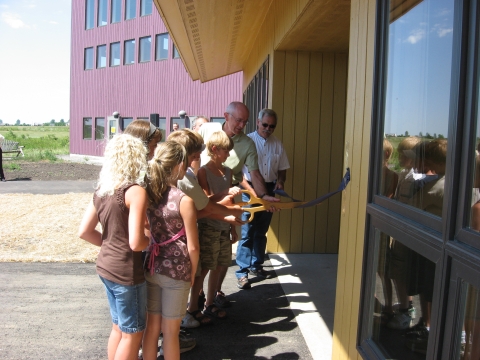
{"points": [[172, 256], [119, 204], [216, 247]]}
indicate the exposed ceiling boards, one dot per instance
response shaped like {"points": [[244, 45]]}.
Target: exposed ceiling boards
{"points": [[324, 25]]}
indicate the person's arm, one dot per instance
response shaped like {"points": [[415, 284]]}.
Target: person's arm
{"points": [[136, 201], [189, 216], [202, 180], [281, 176], [234, 235], [216, 209], [87, 231], [476, 217], [244, 184], [259, 186]]}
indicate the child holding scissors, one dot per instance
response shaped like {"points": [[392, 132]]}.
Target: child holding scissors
{"points": [[214, 235]]}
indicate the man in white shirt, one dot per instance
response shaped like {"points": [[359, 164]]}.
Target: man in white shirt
{"points": [[273, 164]]}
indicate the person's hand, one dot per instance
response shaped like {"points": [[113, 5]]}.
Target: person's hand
{"points": [[227, 201], [234, 191], [232, 220], [237, 211], [278, 186], [271, 199]]}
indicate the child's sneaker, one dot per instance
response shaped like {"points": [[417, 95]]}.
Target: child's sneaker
{"points": [[400, 321], [187, 342]]}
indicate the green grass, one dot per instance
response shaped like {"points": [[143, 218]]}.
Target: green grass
{"points": [[41, 143]]}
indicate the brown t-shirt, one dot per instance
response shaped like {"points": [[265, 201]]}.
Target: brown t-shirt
{"points": [[116, 261]]}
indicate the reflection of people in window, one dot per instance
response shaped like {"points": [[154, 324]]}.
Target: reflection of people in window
{"points": [[472, 307], [175, 127]]}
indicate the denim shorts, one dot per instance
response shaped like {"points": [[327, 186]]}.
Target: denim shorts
{"points": [[166, 296], [127, 305]]}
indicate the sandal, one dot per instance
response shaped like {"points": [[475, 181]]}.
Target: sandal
{"points": [[221, 300], [200, 317], [201, 300], [214, 311]]}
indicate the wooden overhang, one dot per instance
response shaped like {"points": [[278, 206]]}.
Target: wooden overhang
{"points": [[215, 37]]}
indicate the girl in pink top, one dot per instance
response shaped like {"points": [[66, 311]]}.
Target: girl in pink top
{"points": [[172, 256]]}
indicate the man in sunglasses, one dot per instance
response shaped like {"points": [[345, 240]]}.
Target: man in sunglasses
{"points": [[273, 164]]}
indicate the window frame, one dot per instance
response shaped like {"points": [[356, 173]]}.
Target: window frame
{"points": [[86, 126], [119, 54], [96, 128], [88, 14], [98, 58], [142, 8], [140, 49], [99, 10], [157, 36], [112, 8], [125, 52], [127, 2], [85, 58], [175, 53]]}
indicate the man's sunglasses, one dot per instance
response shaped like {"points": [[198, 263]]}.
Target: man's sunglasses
{"points": [[269, 126]]}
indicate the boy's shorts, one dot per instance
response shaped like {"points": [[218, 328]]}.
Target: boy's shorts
{"points": [[215, 247], [127, 305]]}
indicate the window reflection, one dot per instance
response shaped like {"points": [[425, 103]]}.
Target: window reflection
{"points": [[403, 299], [417, 103], [469, 338]]}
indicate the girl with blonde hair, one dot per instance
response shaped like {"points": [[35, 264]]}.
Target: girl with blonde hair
{"points": [[147, 132], [172, 256], [119, 204]]}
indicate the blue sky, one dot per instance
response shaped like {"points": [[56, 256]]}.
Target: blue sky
{"points": [[35, 61], [419, 67]]}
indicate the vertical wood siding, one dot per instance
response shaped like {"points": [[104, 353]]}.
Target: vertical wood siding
{"points": [[357, 146], [137, 90], [309, 97]]}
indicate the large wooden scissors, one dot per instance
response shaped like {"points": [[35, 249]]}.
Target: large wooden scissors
{"points": [[263, 205]]}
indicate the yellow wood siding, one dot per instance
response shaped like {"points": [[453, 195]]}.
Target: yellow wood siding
{"points": [[357, 143]]}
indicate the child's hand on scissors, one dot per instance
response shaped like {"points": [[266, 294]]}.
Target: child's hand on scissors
{"points": [[234, 191], [271, 199]]}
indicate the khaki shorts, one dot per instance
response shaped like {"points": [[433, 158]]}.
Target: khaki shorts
{"points": [[215, 247]]}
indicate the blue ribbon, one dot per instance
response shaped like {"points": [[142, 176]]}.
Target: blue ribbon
{"points": [[341, 187]]}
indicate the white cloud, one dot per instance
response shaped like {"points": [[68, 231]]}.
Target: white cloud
{"points": [[441, 31], [53, 22], [13, 20], [416, 36]]}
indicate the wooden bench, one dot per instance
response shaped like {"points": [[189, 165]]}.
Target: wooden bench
{"points": [[10, 146]]}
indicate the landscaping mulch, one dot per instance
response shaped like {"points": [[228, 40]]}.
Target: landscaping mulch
{"points": [[51, 171]]}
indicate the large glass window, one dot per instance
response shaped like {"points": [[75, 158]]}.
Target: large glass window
{"points": [[418, 84], [126, 121], [145, 49], [162, 125], [403, 296], [130, 9], [145, 7], [87, 128], [88, 58], [116, 9], [129, 52], [102, 13], [115, 54], [89, 14], [161, 46], [99, 128], [101, 56]]}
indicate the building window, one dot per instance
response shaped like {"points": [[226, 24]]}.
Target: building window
{"points": [[102, 13], [130, 9], [161, 46], [145, 7], [256, 95], [115, 54], [87, 128], [176, 54], [116, 8], [101, 56], [145, 53], [89, 14], [89, 58], [125, 122], [129, 52], [99, 128]]}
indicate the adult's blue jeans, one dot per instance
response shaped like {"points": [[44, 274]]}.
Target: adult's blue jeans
{"points": [[252, 245]]}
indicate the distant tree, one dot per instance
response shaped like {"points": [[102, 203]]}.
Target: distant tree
{"points": [[17, 123], [434, 135], [62, 122], [428, 136], [420, 134], [406, 133], [52, 122], [440, 136]]}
